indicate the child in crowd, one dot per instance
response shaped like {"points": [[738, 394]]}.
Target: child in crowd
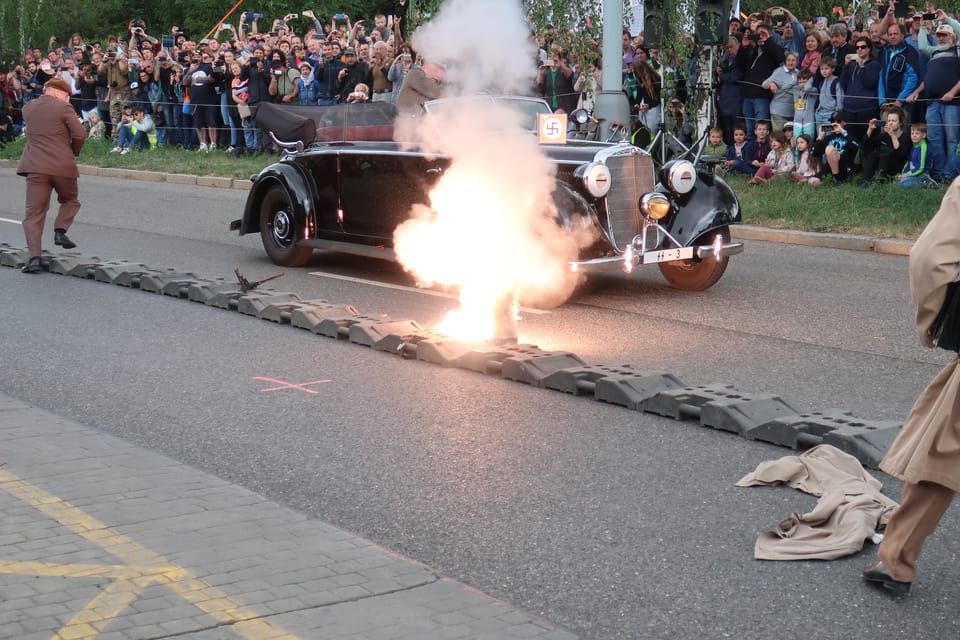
{"points": [[788, 135], [805, 95], [94, 125], [836, 149], [755, 151], [831, 93], [734, 152], [916, 173], [125, 130], [715, 145], [807, 166], [778, 162]]}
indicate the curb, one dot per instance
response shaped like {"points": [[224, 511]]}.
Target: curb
{"points": [[849, 242]]}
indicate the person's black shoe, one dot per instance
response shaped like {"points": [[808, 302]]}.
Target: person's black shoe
{"points": [[32, 266], [878, 574], [60, 239], [864, 184]]}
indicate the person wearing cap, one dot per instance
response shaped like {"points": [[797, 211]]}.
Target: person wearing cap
{"points": [[55, 137], [940, 88], [354, 72]]}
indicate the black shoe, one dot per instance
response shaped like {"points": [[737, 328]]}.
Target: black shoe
{"points": [[32, 266], [60, 239], [865, 184], [879, 575]]}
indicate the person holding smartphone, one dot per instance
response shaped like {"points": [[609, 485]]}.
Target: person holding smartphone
{"points": [[399, 69]]}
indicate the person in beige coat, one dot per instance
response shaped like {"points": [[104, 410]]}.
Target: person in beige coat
{"points": [[55, 137], [926, 453]]}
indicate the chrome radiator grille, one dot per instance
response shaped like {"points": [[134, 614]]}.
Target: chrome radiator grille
{"points": [[631, 176]]}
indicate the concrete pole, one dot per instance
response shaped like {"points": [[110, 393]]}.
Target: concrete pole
{"points": [[612, 103]]}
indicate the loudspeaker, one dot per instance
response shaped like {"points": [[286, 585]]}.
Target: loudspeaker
{"points": [[712, 21], [654, 23]]}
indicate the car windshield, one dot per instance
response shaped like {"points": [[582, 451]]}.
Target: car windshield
{"points": [[528, 107]]}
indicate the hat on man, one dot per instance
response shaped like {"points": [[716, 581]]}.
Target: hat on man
{"points": [[947, 29], [58, 84], [350, 52]]}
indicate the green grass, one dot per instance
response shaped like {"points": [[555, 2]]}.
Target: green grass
{"points": [[886, 210]]}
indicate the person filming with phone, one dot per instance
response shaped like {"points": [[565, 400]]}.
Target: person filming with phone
{"points": [[555, 82]]}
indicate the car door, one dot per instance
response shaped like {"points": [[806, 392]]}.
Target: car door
{"points": [[378, 190]]}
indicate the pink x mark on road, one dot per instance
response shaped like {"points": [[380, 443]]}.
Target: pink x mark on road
{"points": [[289, 385]]}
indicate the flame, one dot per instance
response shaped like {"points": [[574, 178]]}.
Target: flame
{"points": [[490, 229]]}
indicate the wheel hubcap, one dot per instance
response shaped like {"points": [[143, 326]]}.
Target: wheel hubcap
{"points": [[282, 228]]}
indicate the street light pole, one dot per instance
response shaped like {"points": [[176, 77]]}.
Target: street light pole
{"points": [[612, 103]]}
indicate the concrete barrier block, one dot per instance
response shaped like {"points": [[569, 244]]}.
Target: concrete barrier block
{"points": [[581, 381], [120, 272], [741, 414], [686, 403], [368, 333], [801, 431], [633, 389], [255, 303], [867, 441], [67, 264], [532, 369]]}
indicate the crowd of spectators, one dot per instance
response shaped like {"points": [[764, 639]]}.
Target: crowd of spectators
{"points": [[868, 95], [871, 96], [150, 89]]}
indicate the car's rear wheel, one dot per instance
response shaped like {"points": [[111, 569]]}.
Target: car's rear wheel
{"points": [[279, 229], [697, 275]]}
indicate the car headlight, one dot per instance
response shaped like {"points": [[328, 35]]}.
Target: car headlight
{"points": [[580, 116], [680, 176], [595, 177], [655, 205]]}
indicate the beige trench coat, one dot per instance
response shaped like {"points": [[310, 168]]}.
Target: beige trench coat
{"points": [[928, 447]]}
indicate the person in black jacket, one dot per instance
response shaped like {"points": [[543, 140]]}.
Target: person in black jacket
{"points": [[353, 73], [859, 80], [885, 150], [758, 57], [555, 82]]}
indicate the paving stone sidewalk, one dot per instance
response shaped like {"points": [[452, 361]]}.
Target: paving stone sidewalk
{"points": [[103, 539]]}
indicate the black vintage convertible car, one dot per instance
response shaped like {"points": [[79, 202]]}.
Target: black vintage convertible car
{"points": [[343, 184]]}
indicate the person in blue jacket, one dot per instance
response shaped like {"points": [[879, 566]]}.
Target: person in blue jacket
{"points": [[899, 63]]}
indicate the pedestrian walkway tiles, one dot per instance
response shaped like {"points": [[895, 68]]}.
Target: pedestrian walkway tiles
{"points": [[139, 568]]}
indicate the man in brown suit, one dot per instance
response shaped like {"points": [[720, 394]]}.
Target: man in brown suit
{"points": [[55, 137], [421, 84], [926, 453]]}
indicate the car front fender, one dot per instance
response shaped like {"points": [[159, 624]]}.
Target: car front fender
{"points": [[712, 204], [296, 182]]}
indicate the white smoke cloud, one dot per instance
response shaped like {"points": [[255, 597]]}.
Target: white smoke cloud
{"points": [[490, 229]]}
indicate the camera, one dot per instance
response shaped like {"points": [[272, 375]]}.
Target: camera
{"points": [[255, 16]]}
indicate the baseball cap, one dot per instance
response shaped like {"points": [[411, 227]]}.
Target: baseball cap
{"points": [[350, 52], [947, 29]]}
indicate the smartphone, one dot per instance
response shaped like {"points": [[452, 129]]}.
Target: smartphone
{"points": [[929, 16], [167, 42], [294, 16], [340, 16]]}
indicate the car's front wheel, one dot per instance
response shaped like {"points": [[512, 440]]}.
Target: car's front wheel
{"points": [[697, 275], [279, 229]]}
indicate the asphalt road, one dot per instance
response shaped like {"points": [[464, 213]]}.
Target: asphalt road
{"points": [[612, 523]]}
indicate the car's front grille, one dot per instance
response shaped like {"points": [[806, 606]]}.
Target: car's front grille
{"points": [[631, 176]]}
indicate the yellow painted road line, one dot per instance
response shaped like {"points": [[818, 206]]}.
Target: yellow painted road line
{"points": [[50, 569], [110, 602]]}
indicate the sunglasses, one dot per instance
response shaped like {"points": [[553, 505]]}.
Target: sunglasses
{"points": [[862, 46]]}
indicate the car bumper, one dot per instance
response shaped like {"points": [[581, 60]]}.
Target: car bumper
{"points": [[630, 258]]}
